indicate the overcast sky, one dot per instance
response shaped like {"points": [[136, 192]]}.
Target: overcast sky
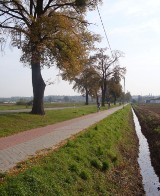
{"points": [[133, 26]]}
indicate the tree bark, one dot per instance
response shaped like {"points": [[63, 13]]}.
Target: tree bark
{"points": [[103, 88], [103, 97], [97, 99], [38, 89], [115, 99], [86, 97]]}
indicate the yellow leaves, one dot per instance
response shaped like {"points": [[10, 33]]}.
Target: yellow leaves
{"points": [[60, 37]]}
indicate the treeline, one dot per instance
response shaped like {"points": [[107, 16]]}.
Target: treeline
{"points": [[101, 78], [50, 98], [62, 98], [55, 33]]}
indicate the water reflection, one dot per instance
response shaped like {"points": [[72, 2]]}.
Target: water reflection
{"points": [[150, 179]]}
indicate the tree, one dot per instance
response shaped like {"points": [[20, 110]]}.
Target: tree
{"points": [[86, 81], [107, 67], [94, 91], [115, 90], [128, 96], [66, 99], [49, 32]]}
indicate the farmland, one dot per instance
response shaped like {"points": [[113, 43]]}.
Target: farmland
{"points": [[149, 117]]}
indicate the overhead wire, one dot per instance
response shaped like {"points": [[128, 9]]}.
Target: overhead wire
{"points": [[104, 30], [109, 45]]}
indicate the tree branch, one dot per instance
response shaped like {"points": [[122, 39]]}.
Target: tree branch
{"points": [[56, 5], [14, 28], [16, 13]]}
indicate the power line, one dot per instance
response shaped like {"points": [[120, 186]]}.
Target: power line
{"points": [[104, 29]]}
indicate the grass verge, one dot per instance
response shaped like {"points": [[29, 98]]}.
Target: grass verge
{"points": [[99, 161]]}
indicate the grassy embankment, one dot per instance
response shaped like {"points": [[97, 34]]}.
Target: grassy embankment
{"points": [[18, 122], [99, 161]]}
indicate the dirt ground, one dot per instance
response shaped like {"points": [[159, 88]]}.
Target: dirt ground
{"points": [[152, 107], [149, 117]]}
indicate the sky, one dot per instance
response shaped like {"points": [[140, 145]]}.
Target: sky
{"points": [[132, 26]]}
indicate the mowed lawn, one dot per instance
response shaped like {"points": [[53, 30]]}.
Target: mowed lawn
{"points": [[101, 160]]}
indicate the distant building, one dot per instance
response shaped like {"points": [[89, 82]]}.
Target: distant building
{"points": [[140, 99], [157, 100]]}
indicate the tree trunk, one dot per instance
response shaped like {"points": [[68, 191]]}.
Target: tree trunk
{"points": [[97, 99], [104, 89], [38, 89], [86, 97], [115, 99], [103, 96]]}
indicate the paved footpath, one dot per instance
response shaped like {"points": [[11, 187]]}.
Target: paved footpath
{"points": [[19, 147]]}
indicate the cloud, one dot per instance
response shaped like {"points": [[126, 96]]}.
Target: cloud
{"points": [[134, 7], [149, 26], [133, 26]]}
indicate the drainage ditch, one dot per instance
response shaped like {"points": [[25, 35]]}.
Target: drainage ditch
{"points": [[150, 179]]}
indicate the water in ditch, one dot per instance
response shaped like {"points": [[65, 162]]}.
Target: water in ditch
{"points": [[150, 179]]}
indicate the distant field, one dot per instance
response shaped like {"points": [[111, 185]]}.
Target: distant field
{"points": [[152, 107], [149, 117], [9, 106]]}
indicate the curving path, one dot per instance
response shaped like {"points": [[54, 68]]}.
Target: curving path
{"points": [[19, 147]]}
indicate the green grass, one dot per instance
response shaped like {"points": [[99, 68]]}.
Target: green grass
{"points": [[18, 122], [84, 166], [12, 107], [9, 106], [65, 104]]}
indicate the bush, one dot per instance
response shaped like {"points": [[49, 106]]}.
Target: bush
{"points": [[21, 102]]}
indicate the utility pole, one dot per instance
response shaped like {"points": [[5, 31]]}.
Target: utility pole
{"points": [[124, 91]]}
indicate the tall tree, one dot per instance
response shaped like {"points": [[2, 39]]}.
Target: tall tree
{"points": [[87, 82], [107, 66], [49, 32], [128, 96], [115, 90]]}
